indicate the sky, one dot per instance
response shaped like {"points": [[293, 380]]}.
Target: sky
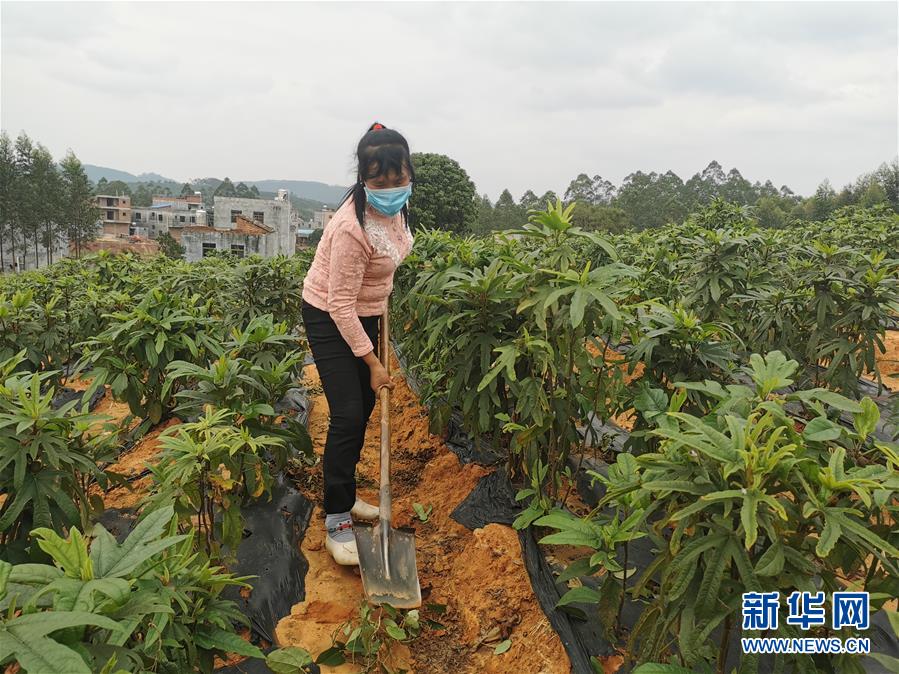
{"points": [[523, 95]]}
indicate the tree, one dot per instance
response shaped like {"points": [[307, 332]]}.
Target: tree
{"points": [[186, 190], [47, 192], [226, 189], [888, 178], [142, 196], [603, 191], [772, 211], [26, 195], [508, 214], [652, 199], [737, 189], [243, 191], [443, 195], [528, 201], [254, 192], [600, 218], [548, 197], [8, 200], [79, 213], [169, 247], [485, 218], [580, 189], [113, 187], [822, 203], [873, 195]]}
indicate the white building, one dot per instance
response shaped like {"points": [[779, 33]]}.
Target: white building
{"points": [[242, 226], [166, 212], [322, 218]]}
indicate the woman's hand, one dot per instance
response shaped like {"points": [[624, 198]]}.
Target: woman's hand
{"points": [[379, 375], [379, 378]]}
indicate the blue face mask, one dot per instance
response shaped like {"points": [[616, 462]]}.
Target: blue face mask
{"points": [[391, 200]]}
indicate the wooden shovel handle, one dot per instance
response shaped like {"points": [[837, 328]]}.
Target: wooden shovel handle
{"points": [[385, 500]]}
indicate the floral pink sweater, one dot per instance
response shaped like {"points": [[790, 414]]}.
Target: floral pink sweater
{"points": [[352, 272]]}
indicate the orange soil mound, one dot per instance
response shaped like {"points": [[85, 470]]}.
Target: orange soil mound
{"points": [[625, 419], [888, 362], [133, 462], [479, 575]]}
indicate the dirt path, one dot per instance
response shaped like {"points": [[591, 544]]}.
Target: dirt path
{"points": [[479, 576]]}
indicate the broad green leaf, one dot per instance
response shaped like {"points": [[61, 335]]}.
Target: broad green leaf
{"points": [[866, 421], [215, 638], [113, 560], [821, 429], [331, 657], [290, 660], [581, 593]]}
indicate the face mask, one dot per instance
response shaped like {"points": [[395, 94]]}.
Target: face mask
{"points": [[391, 200]]}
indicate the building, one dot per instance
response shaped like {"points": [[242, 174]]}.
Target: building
{"points": [[166, 212], [115, 214], [321, 218], [244, 237], [242, 226], [303, 236], [274, 213]]}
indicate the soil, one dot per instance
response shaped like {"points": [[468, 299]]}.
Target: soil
{"points": [[133, 462], [479, 576], [888, 361]]}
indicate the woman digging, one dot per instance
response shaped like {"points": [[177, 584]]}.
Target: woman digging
{"points": [[344, 294]]}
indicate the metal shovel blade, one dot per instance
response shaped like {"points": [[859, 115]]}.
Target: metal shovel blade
{"points": [[390, 578]]}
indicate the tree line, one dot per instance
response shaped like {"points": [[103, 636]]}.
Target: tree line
{"points": [[142, 192], [652, 199], [42, 203]]}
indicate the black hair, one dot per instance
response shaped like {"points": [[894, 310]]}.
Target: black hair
{"points": [[388, 151]]}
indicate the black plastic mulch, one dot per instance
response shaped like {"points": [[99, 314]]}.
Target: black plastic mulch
{"points": [[64, 394]]}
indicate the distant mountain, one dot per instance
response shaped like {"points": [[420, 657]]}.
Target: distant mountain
{"points": [[306, 189], [94, 173], [153, 178]]}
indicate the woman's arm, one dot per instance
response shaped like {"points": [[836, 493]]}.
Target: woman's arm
{"points": [[349, 258]]}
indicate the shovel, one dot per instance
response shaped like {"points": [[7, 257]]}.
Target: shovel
{"points": [[386, 554]]}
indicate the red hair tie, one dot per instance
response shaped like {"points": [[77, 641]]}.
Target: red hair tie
{"points": [[377, 126]]}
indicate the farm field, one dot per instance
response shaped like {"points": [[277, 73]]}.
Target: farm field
{"points": [[601, 442]]}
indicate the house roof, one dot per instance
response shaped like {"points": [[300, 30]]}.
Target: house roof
{"points": [[246, 226], [243, 226]]}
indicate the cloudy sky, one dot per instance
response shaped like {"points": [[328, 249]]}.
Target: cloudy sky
{"points": [[523, 95]]}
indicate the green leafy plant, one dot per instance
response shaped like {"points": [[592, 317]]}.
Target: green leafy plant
{"points": [[422, 512], [369, 640], [748, 498], [147, 603], [246, 379], [132, 354], [212, 464], [48, 459]]}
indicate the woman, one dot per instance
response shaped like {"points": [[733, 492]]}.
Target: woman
{"points": [[344, 294]]}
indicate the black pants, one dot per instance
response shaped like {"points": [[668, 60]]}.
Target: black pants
{"points": [[346, 381]]}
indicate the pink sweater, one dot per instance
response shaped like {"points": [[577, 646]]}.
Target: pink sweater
{"points": [[352, 272]]}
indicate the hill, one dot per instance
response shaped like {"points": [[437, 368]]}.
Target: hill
{"points": [[313, 192], [304, 189]]}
